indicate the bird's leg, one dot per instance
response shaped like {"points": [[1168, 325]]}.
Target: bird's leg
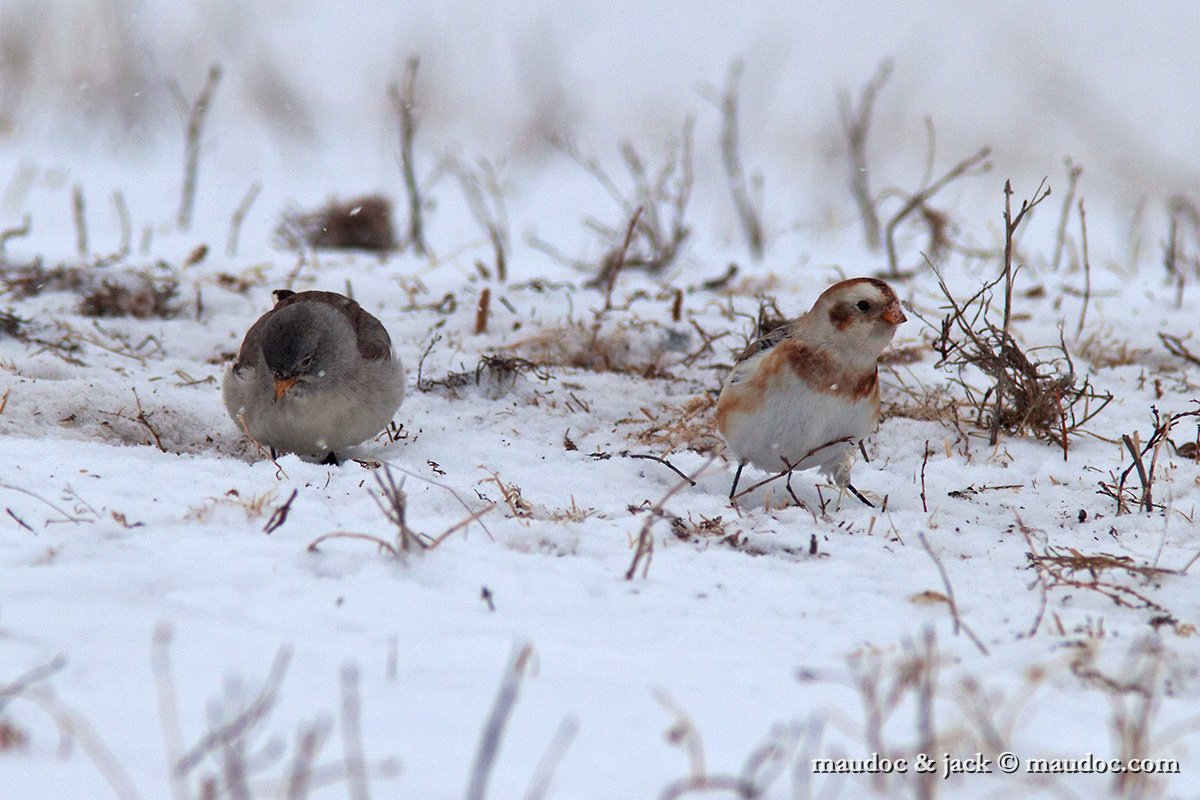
{"points": [[858, 494], [274, 455], [332, 460], [736, 477]]}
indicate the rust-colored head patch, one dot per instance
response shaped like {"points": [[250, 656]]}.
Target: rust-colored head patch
{"points": [[841, 316]]}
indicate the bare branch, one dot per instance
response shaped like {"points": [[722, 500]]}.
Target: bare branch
{"points": [[239, 216], [126, 225], [856, 122], [195, 114], [748, 206], [950, 600], [13, 233], [79, 214], [918, 201]]}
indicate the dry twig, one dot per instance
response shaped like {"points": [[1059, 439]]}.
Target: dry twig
{"points": [[950, 600], [1115, 487], [15, 233], [919, 200], [856, 123], [34, 676], [1073, 173], [280, 514], [493, 730], [485, 202], [644, 546], [404, 102], [1177, 348], [126, 226], [239, 217], [79, 215]]}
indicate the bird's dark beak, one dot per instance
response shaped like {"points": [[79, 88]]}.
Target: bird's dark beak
{"points": [[282, 386], [894, 315]]}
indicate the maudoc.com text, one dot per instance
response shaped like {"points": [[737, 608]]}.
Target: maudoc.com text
{"points": [[1005, 763]]}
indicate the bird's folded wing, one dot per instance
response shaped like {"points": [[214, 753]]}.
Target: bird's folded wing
{"points": [[746, 361]]}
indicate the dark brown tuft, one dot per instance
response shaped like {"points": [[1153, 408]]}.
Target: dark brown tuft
{"points": [[364, 223], [135, 295]]}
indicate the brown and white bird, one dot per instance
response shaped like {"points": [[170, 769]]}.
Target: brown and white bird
{"points": [[315, 374], [806, 393]]}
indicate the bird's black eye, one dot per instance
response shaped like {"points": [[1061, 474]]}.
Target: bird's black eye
{"points": [[863, 305]]}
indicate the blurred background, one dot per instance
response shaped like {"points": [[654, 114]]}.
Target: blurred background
{"points": [[94, 87]]}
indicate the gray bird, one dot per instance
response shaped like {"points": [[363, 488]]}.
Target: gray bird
{"points": [[315, 374]]}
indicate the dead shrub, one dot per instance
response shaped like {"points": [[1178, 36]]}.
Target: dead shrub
{"points": [[1038, 395], [363, 223], [495, 373], [656, 204]]}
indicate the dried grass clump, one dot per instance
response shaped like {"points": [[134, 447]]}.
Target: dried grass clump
{"points": [[363, 223], [495, 373], [31, 279], [922, 402], [126, 293], [688, 426], [631, 347], [132, 294], [1105, 349]]}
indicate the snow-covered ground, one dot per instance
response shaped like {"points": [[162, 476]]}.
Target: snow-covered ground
{"points": [[157, 584]]}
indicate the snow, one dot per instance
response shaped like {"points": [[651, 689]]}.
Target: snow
{"points": [[763, 622]]}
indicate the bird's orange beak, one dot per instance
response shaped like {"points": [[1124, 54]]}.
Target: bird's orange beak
{"points": [[893, 315], [282, 386]]}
